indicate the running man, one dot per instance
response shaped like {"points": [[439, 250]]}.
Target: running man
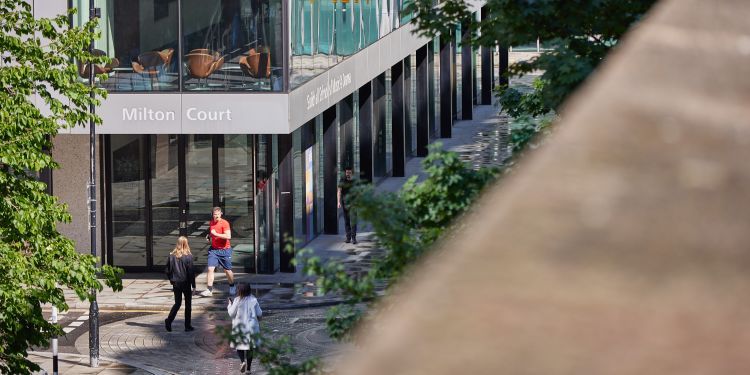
{"points": [[220, 252]]}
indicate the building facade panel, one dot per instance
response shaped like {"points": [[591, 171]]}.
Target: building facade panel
{"points": [[69, 185], [192, 113]]}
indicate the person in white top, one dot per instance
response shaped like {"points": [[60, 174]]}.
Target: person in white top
{"points": [[246, 314]]}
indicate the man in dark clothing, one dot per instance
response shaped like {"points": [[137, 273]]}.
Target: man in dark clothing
{"points": [[350, 217]]}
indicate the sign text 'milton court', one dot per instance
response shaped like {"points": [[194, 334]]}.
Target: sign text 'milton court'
{"points": [[192, 114]]}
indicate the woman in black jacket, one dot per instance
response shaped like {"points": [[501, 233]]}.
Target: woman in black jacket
{"points": [[180, 274]]}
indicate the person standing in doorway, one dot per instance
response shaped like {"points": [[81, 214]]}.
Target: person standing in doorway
{"points": [[344, 197], [182, 276], [220, 252]]}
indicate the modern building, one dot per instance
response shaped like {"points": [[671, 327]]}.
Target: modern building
{"points": [[254, 106]]}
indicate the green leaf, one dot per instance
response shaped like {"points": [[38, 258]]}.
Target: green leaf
{"points": [[36, 261]]}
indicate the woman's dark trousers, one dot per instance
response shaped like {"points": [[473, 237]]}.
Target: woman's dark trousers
{"points": [[246, 355], [180, 290]]}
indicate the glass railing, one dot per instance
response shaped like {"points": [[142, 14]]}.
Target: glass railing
{"points": [[325, 32]]}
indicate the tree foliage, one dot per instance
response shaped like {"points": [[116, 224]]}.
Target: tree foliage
{"points": [[40, 92], [578, 33], [516, 103], [406, 224], [529, 115], [273, 353]]}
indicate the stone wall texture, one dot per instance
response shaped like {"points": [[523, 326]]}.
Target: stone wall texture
{"points": [[70, 182], [619, 247]]}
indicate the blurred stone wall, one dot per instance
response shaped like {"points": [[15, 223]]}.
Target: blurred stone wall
{"points": [[621, 246]]}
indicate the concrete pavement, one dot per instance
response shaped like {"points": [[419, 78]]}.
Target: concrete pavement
{"points": [[79, 364], [152, 292]]}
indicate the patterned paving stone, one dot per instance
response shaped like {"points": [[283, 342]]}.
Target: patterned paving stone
{"points": [[142, 341]]}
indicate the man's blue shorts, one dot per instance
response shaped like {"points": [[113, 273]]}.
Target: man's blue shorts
{"points": [[220, 257]]}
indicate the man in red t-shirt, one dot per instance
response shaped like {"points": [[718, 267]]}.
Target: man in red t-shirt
{"points": [[220, 252]]}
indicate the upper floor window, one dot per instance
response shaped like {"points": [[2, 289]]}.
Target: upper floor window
{"points": [[226, 45], [141, 38], [324, 32]]}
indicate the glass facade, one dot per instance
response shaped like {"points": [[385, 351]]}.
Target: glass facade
{"points": [[379, 122], [231, 45], [165, 200], [325, 32], [308, 181], [128, 200], [219, 45], [265, 193], [141, 37], [478, 74], [235, 166], [162, 186], [200, 192]]}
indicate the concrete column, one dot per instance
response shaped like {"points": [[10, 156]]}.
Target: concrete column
{"points": [[467, 75], [398, 142], [286, 201], [423, 100], [474, 77], [346, 133], [330, 201], [503, 68], [446, 87], [365, 132], [380, 169]]}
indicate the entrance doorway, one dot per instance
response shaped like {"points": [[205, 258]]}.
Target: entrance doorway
{"points": [[161, 186]]}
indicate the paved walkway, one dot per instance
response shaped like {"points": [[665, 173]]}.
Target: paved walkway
{"points": [[152, 292], [79, 364], [290, 300], [143, 343]]}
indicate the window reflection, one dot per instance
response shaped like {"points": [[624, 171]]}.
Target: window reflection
{"points": [[128, 188], [228, 45], [232, 45], [236, 195], [141, 38], [324, 32]]}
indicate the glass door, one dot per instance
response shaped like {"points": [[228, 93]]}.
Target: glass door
{"points": [[127, 191], [165, 197], [162, 186], [235, 195], [199, 194], [264, 187]]}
